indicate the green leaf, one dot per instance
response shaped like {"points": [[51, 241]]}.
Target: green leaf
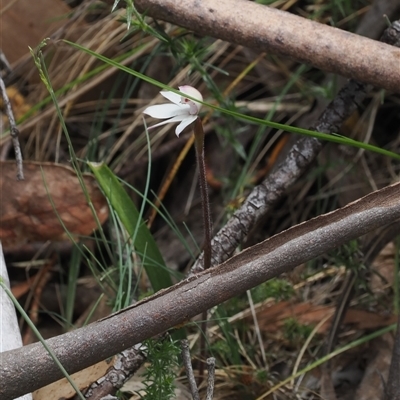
{"points": [[334, 137], [127, 212]]}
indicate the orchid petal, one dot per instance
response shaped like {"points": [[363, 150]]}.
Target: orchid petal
{"points": [[166, 110], [178, 118], [172, 97], [191, 91], [186, 122], [183, 110]]}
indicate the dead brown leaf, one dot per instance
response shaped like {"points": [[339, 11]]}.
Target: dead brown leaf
{"points": [[271, 319], [62, 389], [27, 213]]}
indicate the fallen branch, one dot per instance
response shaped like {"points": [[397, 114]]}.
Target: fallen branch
{"points": [[269, 30], [28, 368]]}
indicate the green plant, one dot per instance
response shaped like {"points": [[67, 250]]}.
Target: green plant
{"points": [[351, 256], [161, 372], [295, 332], [278, 289]]}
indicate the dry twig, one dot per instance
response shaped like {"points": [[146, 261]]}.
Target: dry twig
{"points": [[13, 130], [211, 378], [187, 362]]}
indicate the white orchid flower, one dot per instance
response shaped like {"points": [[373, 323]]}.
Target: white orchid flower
{"points": [[182, 110]]}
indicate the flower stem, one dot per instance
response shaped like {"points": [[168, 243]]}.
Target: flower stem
{"points": [[199, 144]]}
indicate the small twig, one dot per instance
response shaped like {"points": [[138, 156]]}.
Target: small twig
{"points": [[13, 130], [187, 362], [4, 64], [211, 378]]}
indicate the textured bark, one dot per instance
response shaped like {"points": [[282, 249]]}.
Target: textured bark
{"points": [[267, 29], [128, 362], [28, 368]]}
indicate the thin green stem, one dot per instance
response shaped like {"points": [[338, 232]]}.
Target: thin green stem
{"points": [[199, 144]]}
